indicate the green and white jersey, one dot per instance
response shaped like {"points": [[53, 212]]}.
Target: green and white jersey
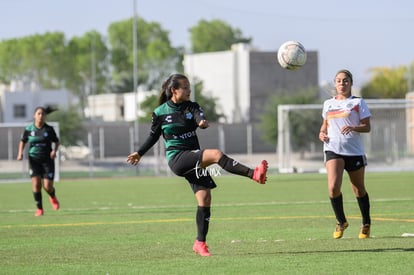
{"points": [[177, 123], [40, 140]]}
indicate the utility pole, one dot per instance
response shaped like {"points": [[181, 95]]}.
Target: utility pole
{"points": [[93, 75], [410, 79], [135, 76]]}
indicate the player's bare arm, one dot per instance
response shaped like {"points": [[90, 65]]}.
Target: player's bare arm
{"points": [[363, 127]]}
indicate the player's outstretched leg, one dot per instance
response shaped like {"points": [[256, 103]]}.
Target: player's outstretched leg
{"points": [[230, 165], [260, 171]]}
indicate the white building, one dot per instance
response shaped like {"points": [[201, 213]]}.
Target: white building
{"points": [[116, 107], [225, 77], [18, 106]]}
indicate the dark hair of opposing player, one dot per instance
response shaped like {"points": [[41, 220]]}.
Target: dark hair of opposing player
{"points": [[171, 82], [348, 74]]}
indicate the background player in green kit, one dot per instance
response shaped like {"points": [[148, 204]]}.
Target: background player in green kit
{"points": [[41, 137], [176, 119]]}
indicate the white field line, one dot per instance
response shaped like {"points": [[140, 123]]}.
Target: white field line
{"points": [[215, 205], [375, 216], [175, 220]]}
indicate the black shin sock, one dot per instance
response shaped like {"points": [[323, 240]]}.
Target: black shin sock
{"points": [[234, 167], [203, 221], [338, 208], [38, 199], [364, 207], [52, 194]]}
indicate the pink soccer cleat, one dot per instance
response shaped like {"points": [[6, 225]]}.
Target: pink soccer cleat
{"points": [[55, 203], [39, 212], [201, 248], [260, 171]]}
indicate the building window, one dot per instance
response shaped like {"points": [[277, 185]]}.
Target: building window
{"points": [[122, 110], [19, 111]]}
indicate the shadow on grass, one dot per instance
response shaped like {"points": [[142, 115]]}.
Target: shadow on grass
{"points": [[371, 250], [396, 248]]}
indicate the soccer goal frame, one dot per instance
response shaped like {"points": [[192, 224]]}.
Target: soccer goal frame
{"points": [[390, 142]]}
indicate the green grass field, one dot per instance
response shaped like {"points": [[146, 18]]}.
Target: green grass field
{"points": [[146, 225]]}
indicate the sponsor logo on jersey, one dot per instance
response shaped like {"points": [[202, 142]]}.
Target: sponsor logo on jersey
{"points": [[168, 118], [187, 135], [188, 114]]}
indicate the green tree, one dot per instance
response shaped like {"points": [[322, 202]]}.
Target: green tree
{"points": [[387, 83], [303, 123], [51, 62], [10, 60], [89, 63], [87, 66], [34, 59], [207, 103], [155, 55], [214, 35], [70, 125], [148, 106]]}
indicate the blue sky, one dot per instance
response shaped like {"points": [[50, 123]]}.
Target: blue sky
{"points": [[353, 34]]}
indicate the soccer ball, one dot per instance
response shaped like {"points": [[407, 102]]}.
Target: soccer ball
{"points": [[291, 55]]}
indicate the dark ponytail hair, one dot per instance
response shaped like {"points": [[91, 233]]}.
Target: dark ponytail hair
{"points": [[171, 82], [46, 110], [348, 74]]}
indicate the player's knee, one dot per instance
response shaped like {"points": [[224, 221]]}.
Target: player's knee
{"points": [[334, 192], [217, 154], [207, 200], [214, 155]]}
